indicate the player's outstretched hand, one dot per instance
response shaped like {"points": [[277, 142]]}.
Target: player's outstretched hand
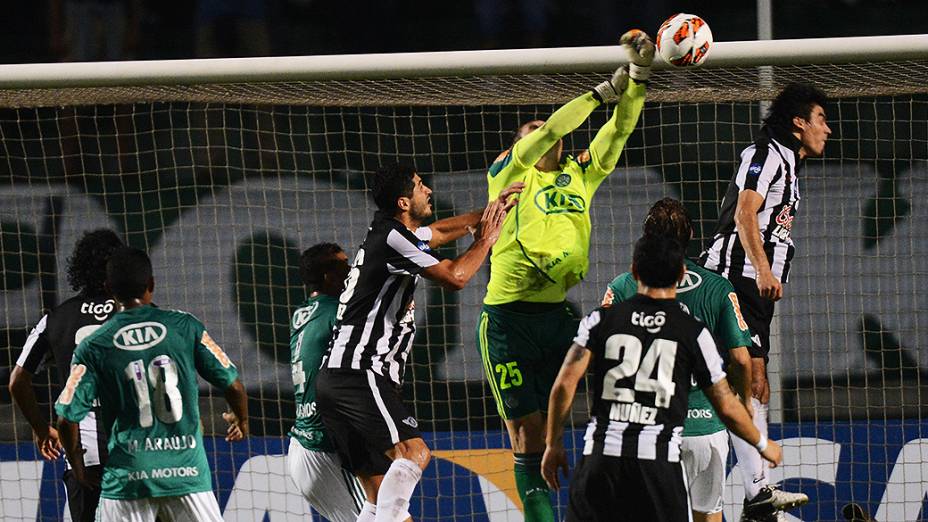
{"points": [[504, 196], [237, 430], [640, 49], [492, 222], [555, 458], [773, 454], [48, 444]]}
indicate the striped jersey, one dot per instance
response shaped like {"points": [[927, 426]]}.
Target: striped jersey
{"points": [[645, 354], [53, 340], [768, 167], [375, 322]]}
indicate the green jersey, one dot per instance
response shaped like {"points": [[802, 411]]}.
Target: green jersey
{"points": [[543, 247], [142, 365], [310, 333], [710, 298]]}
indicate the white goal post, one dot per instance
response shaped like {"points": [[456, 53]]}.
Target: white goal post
{"points": [[107, 82]]}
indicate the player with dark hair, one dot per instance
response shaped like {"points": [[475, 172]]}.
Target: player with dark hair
{"points": [[312, 462], [526, 325], [710, 298], [53, 340], [753, 248], [358, 388], [644, 353], [142, 366]]}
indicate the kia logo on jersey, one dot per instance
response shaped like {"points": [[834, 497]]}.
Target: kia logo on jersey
{"points": [[139, 336], [552, 201], [690, 281]]}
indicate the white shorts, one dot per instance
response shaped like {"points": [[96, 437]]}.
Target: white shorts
{"points": [[187, 508], [319, 476], [704, 458]]}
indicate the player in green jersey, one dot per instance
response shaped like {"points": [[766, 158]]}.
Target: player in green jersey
{"points": [[142, 366], [312, 462], [710, 298], [525, 327]]}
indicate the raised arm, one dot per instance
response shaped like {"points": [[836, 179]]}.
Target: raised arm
{"points": [[562, 397], [528, 150], [608, 143], [454, 274], [453, 228]]}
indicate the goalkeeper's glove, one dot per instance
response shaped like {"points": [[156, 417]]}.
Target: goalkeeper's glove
{"points": [[640, 52]]}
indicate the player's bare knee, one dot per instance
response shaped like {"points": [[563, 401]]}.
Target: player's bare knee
{"points": [[415, 450], [527, 433]]}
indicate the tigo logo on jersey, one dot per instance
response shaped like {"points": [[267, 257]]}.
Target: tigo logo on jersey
{"points": [[755, 168], [99, 310], [552, 201], [652, 323], [139, 336]]}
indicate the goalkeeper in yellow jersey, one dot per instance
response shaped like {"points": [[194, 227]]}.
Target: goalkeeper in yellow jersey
{"points": [[526, 327]]}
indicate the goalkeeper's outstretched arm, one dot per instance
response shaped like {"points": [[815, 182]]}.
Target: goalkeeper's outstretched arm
{"points": [[528, 150], [607, 146]]}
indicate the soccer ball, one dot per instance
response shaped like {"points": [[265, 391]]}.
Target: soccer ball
{"points": [[684, 40]]}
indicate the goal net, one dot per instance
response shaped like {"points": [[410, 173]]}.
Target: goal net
{"points": [[225, 170]]}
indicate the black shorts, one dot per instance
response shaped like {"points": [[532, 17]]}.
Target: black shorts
{"points": [[82, 500], [757, 312], [618, 489], [365, 416]]}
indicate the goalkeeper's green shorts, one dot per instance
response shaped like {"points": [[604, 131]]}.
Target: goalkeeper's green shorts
{"points": [[522, 346]]}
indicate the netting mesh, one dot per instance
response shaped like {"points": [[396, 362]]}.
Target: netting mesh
{"points": [[695, 85], [225, 185]]}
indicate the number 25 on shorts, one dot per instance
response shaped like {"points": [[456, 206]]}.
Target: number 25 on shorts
{"points": [[509, 375]]}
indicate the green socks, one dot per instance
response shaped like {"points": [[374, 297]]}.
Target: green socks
{"points": [[536, 502]]}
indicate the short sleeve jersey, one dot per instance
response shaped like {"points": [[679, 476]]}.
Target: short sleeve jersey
{"points": [[769, 167], [645, 354], [142, 365], [54, 339], [376, 313], [710, 298], [310, 334]]}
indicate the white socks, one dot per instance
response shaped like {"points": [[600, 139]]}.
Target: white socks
{"points": [[753, 466], [395, 490]]}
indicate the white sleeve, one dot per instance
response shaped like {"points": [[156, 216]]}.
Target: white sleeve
{"points": [[424, 233], [410, 259], [710, 357], [759, 167], [587, 324]]}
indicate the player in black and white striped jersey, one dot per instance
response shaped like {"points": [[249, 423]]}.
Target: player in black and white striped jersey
{"points": [[358, 388], [753, 248], [53, 341], [644, 352]]}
